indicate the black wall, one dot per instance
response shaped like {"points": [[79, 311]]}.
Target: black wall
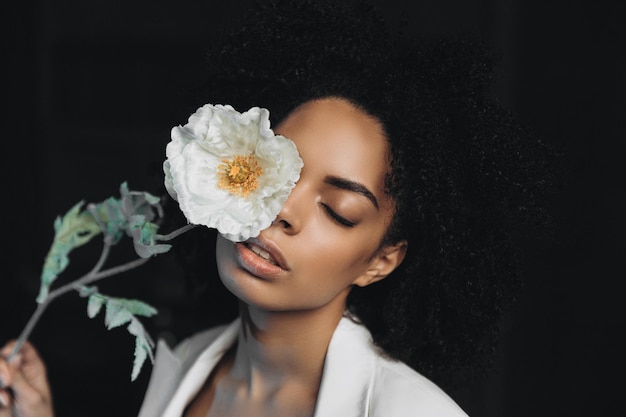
{"points": [[91, 90]]}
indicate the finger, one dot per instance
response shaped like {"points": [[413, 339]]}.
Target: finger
{"points": [[33, 367], [8, 368], [29, 400], [7, 349], [30, 364], [24, 392], [5, 373], [29, 386], [6, 378], [5, 401]]}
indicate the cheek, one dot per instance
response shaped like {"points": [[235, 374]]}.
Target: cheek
{"points": [[338, 257]]}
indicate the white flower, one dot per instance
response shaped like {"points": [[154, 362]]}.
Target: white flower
{"points": [[228, 170]]}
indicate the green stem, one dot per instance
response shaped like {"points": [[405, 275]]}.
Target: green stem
{"points": [[92, 276], [175, 233], [29, 328]]}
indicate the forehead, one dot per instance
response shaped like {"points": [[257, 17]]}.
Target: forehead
{"points": [[336, 138]]}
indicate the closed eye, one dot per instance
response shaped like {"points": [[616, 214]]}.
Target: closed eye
{"points": [[336, 217]]}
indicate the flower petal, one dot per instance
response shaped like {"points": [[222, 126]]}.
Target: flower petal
{"points": [[198, 153]]}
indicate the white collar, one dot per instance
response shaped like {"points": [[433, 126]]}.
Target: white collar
{"points": [[345, 388]]}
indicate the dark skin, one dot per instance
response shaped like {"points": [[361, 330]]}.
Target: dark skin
{"points": [[289, 317], [329, 232]]}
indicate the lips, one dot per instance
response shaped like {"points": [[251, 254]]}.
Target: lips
{"points": [[267, 250], [261, 252], [262, 258]]}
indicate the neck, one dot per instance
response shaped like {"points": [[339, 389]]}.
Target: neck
{"points": [[279, 349]]}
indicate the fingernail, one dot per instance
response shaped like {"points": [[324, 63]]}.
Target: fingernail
{"points": [[3, 400]]}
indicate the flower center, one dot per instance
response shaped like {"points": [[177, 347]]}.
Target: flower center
{"points": [[240, 175]]}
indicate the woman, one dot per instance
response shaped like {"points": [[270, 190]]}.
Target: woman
{"points": [[393, 257]]}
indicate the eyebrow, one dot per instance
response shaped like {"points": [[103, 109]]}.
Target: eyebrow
{"points": [[355, 187]]}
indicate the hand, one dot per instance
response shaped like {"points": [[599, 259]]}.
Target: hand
{"points": [[24, 389]]}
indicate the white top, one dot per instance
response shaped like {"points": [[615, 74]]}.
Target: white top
{"points": [[357, 381]]}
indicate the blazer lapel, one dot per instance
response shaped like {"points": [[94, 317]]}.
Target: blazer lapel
{"points": [[164, 380], [347, 378], [348, 373], [177, 376], [204, 353]]}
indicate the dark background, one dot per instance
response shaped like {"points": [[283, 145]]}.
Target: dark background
{"points": [[92, 88]]}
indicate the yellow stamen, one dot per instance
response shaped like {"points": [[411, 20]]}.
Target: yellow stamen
{"points": [[240, 175]]}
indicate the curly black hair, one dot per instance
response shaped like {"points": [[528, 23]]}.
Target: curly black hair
{"points": [[467, 179]]}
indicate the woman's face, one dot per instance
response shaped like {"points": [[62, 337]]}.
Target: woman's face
{"points": [[327, 236]]}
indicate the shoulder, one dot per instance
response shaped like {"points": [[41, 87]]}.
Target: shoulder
{"points": [[398, 390], [371, 380]]}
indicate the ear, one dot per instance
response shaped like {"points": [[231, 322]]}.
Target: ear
{"points": [[382, 264]]}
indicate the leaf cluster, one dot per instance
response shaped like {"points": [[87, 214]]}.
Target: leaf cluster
{"points": [[134, 215], [121, 311]]}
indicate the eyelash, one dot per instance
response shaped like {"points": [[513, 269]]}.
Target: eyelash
{"points": [[341, 220]]}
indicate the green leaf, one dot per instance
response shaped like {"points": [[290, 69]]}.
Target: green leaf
{"points": [[140, 357], [120, 311], [144, 236], [116, 315], [94, 305], [140, 203], [143, 347], [74, 229], [110, 218], [87, 291], [137, 308], [133, 215]]}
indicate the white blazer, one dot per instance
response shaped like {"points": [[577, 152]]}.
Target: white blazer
{"points": [[357, 381]]}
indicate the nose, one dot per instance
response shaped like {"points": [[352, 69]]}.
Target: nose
{"points": [[291, 217]]}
